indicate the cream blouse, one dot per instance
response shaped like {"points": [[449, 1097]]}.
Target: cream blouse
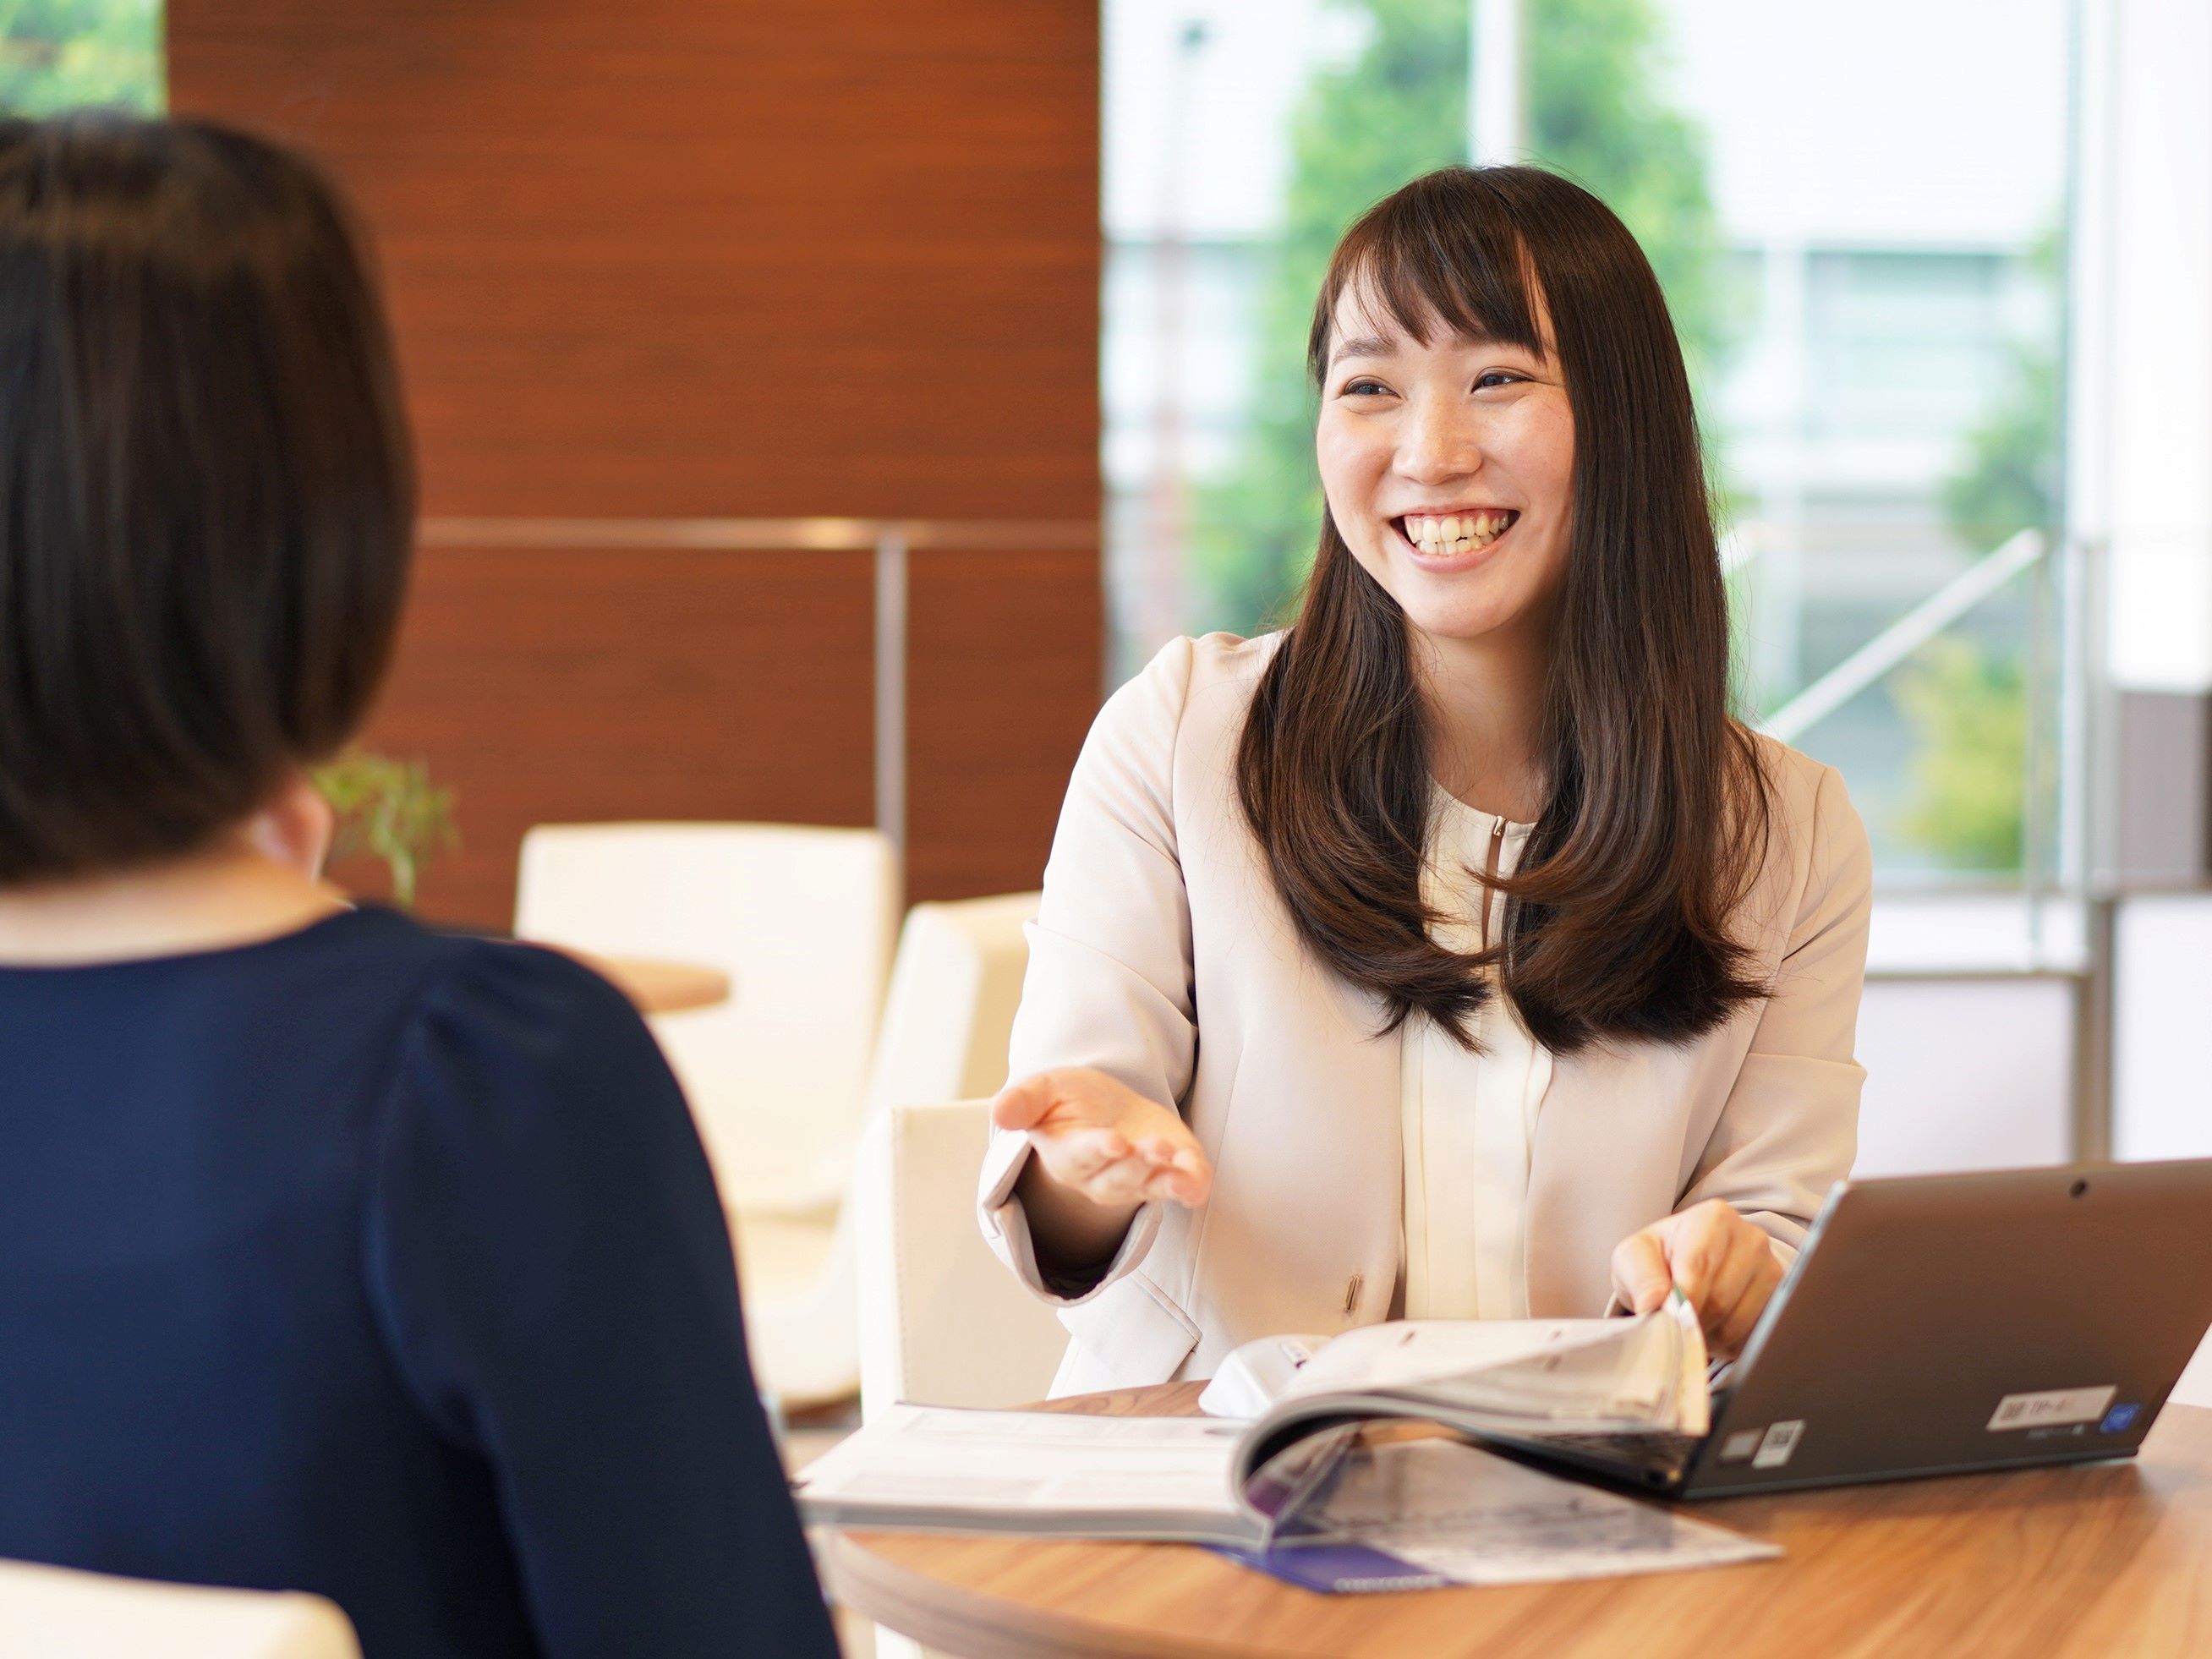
{"points": [[1469, 1119]]}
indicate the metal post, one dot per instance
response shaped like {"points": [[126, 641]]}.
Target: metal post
{"points": [[1496, 122], [890, 684], [2034, 786], [2093, 1038]]}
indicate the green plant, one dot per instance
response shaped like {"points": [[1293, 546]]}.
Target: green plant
{"points": [[60, 54], [390, 810]]}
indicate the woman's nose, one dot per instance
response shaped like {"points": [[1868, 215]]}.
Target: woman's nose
{"points": [[1435, 444]]}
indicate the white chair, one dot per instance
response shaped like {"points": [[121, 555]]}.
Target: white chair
{"points": [[945, 1023], [802, 919], [942, 1321], [54, 1612]]}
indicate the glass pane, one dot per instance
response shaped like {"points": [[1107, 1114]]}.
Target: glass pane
{"points": [[1863, 249], [58, 54]]}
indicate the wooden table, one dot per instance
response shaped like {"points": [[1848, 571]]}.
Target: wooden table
{"points": [[2098, 1559], [656, 986]]}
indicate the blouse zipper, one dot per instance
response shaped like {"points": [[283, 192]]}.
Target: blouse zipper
{"points": [[1496, 842]]}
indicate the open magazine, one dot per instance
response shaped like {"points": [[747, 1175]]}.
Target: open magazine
{"points": [[1312, 1470]]}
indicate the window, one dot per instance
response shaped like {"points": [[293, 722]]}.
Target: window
{"points": [[1862, 248], [57, 54]]}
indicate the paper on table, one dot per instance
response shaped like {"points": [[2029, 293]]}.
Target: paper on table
{"points": [[1009, 1462]]}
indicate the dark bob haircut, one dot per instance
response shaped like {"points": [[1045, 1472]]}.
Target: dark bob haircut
{"points": [[1619, 922], [206, 490]]}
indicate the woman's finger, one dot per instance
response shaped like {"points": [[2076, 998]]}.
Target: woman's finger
{"points": [[1696, 1246], [1639, 1271], [1123, 1181], [1193, 1180], [1740, 1251], [1187, 1179], [1735, 1328], [1022, 1105], [1077, 1155]]}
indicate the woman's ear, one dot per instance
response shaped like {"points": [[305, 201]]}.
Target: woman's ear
{"points": [[295, 828]]}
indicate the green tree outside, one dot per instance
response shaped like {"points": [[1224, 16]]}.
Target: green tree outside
{"points": [[1967, 706], [1396, 111], [61, 54], [1965, 696]]}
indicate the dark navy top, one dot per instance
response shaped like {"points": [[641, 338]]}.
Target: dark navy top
{"points": [[382, 1263]]}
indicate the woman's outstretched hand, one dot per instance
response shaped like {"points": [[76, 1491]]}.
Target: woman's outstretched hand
{"points": [[1725, 1265], [1105, 1142]]}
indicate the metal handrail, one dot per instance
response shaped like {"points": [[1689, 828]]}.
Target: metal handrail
{"points": [[891, 541], [826, 535], [1886, 649]]}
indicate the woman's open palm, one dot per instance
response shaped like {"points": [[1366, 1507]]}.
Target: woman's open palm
{"points": [[1101, 1139]]}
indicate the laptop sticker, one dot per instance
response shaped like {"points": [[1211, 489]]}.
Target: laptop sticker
{"points": [[1781, 1440], [1737, 1447], [2120, 1419], [2051, 1407]]}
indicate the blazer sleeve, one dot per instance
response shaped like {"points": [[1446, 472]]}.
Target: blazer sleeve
{"points": [[1790, 1128], [552, 1273], [1108, 983]]}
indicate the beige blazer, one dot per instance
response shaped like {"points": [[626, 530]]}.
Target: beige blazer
{"points": [[1161, 956]]}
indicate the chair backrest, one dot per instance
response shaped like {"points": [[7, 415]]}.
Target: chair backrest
{"points": [[942, 1321], [944, 1029], [950, 1012], [54, 1612], [802, 919]]}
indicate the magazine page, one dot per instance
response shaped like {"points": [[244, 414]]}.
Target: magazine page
{"points": [[1408, 1354], [1627, 1373], [1515, 1379]]}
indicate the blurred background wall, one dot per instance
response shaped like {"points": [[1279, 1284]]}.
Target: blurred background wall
{"points": [[664, 262]]}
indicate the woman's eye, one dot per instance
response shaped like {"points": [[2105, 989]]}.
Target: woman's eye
{"points": [[1363, 388], [1495, 377]]}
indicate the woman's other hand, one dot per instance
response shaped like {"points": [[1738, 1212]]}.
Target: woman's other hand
{"points": [[1105, 1142], [1724, 1265]]}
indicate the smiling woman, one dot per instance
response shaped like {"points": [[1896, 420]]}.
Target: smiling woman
{"points": [[1492, 343], [1528, 977]]}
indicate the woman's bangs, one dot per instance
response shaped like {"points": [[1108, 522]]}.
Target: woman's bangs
{"points": [[1433, 271]]}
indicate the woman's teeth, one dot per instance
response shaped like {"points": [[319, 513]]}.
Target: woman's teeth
{"points": [[1459, 532]]}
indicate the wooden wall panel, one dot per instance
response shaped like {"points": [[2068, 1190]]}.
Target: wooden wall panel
{"points": [[986, 775], [731, 258], [584, 686]]}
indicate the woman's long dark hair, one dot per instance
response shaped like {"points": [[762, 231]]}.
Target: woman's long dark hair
{"points": [[1619, 921]]}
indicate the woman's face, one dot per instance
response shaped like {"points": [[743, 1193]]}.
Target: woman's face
{"points": [[1449, 469]]}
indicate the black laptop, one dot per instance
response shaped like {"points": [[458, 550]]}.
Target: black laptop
{"points": [[1944, 1324]]}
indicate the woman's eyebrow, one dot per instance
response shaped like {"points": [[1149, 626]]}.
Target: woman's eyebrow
{"points": [[1364, 345]]}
